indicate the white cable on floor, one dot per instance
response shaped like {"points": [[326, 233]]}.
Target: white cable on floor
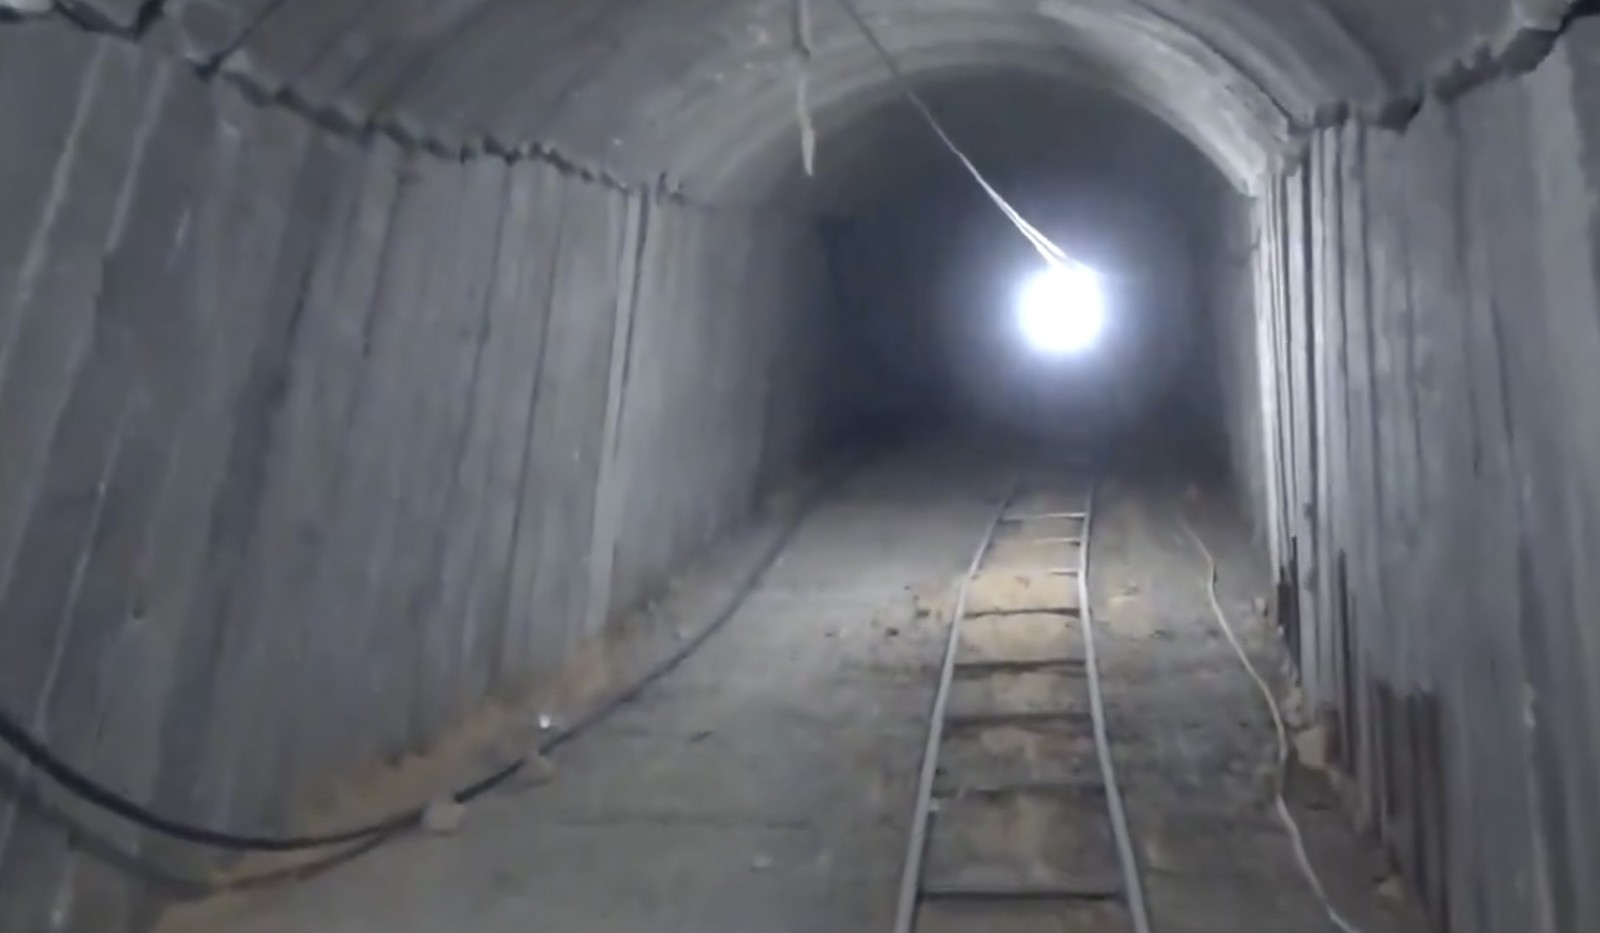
{"points": [[1296, 838]]}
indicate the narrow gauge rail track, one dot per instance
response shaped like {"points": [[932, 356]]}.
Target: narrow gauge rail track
{"points": [[1019, 824]]}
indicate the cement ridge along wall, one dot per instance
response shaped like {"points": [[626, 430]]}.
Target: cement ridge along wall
{"points": [[137, 24], [304, 439], [212, 37], [1521, 47]]}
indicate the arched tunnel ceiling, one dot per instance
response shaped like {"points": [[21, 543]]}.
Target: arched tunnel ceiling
{"points": [[1075, 131], [1198, 93], [700, 92]]}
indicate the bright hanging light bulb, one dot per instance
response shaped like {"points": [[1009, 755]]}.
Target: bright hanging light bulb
{"points": [[1062, 309]]}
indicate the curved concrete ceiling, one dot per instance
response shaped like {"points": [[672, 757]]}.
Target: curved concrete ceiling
{"points": [[1073, 131], [701, 93]]}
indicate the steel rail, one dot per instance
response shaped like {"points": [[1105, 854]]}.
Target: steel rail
{"points": [[911, 874]]}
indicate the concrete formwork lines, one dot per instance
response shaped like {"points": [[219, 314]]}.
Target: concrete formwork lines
{"points": [[677, 348], [1543, 459], [439, 383], [262, 649], [21, 272], [1266, 231], [1436, 390], [502, 417], [1563, 146], [1438, 399], [614, 474], [1497, 261], [1505, 175], [106, 714], [515, 660], [27, 831], [1324, 358], [186, 603], [1278, 308], [1387, 321], [417, 436], [41, 354], [300, 474], [1276, 403], [1332, 452], [55, 314], [120, 342], [119, 423], [446, 501], [328, 382], [449, 613], [1310, 342], [343, 583], [1490, 659], [1457, 864], [1301, 333], [1361, 557], [531, 248], [34, 58], [646, 412], [569, 419]]}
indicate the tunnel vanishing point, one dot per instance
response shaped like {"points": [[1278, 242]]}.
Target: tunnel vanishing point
{"points": [[361, 362]]}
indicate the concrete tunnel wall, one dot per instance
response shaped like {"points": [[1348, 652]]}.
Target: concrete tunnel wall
{"points": [[1428, 328], [310, 447], [1407, 309]]}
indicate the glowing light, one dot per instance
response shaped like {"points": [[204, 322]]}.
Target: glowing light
{"points": [[1062, 310]]}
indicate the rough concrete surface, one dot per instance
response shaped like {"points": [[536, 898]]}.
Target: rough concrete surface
{"points": [[1193, 738], [767, 783], [1429, 336], [282, 409], [361, 365]]}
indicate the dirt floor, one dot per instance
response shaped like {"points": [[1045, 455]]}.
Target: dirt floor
{"points": [[1194, 740], [767, 783]]}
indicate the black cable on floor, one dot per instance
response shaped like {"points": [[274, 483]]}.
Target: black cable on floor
{"points": [[37, 754]]}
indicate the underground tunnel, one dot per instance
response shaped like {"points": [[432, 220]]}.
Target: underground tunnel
{"points": [[593, 408]]}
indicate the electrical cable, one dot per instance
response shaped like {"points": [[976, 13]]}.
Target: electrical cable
{"points": [[35, 753], [1046, 248], [1290, 825]]}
